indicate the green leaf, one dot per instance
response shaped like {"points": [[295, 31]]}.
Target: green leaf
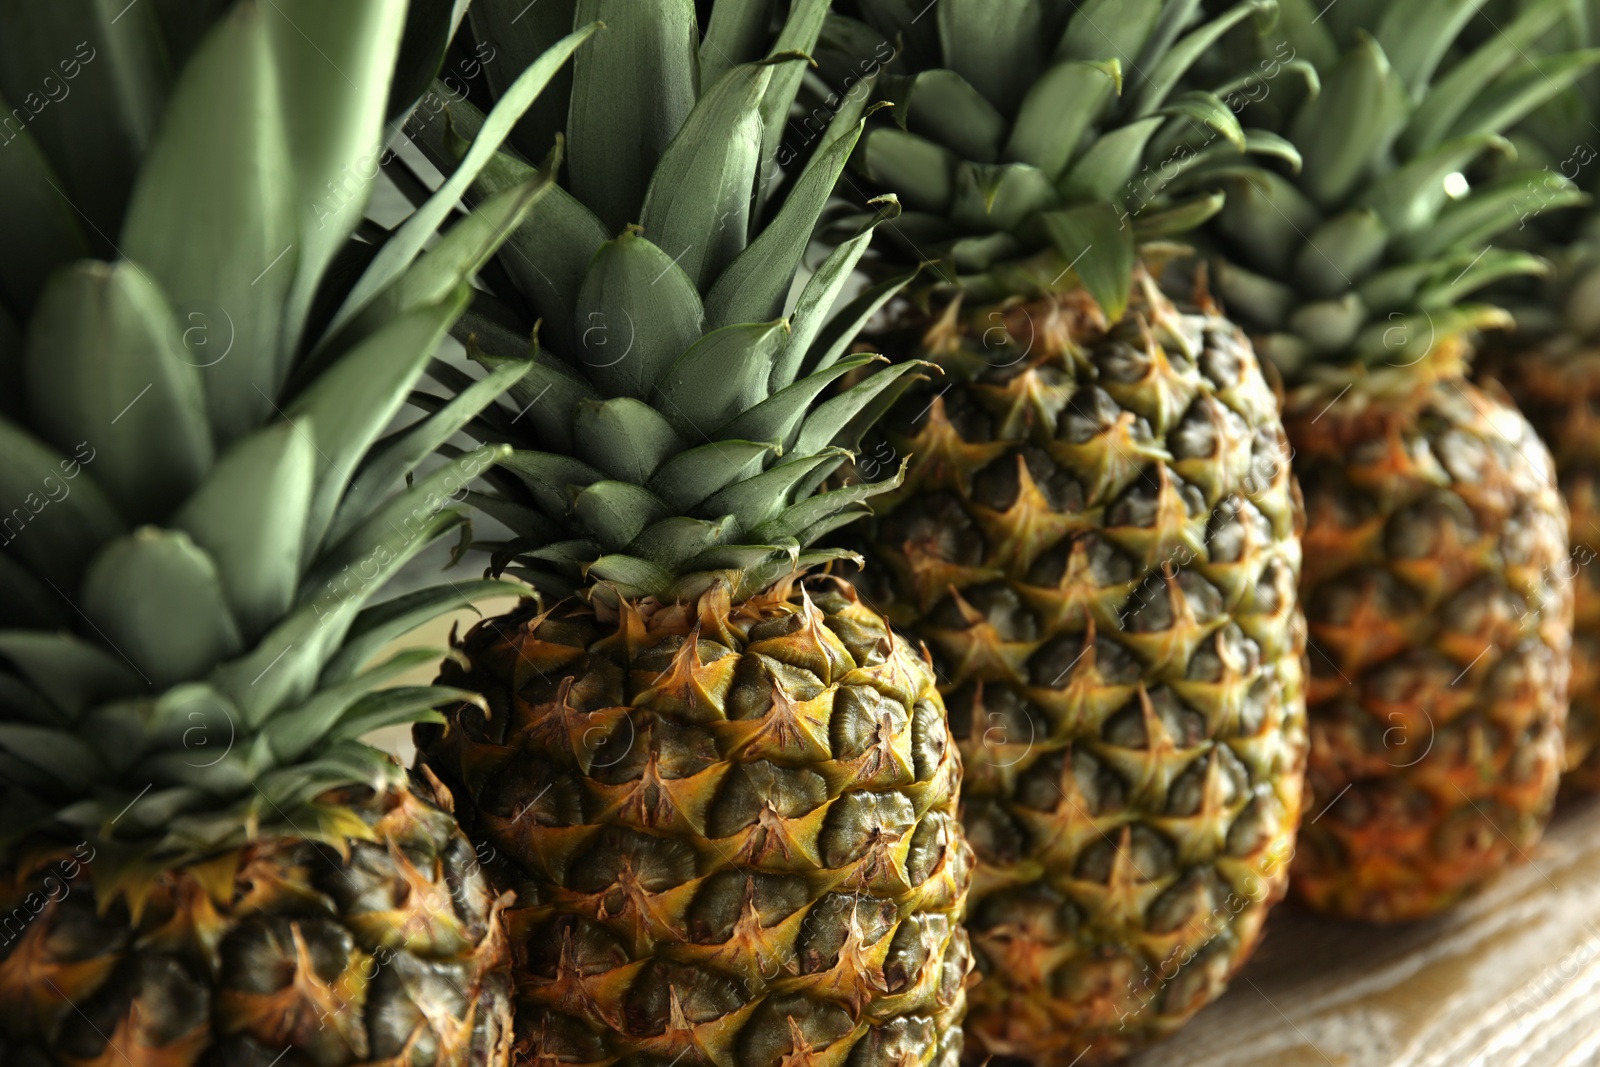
{"points": [[551, 478], [1343, 132], [335, 62], [614, 513], [511, 35], [996, 45], [1093, 241], [675, 540], [1486, 211], [723, 375], [637, 314], [71, 673], [1262, 303], [632, 91], [1515, 95], [626, 438], [735, 33], [1109, 29], [457, 256], [250, 517], [1104, 170], [1488, 268], [1058, 109], [51, 517], [999, 196], [284, 666], [688, 478], [1341, 251], [391, 463], [1180, 218], [65, 758], [403, 513], [1167, 73], [62, 62], [633, 577], [698, 205], [1416, 35], [222, 163], [38, 227], [942, 107], [844, 327], [775, 418], [350, 403], [548, 254], [920, 172], [403, 706], [379, 626], [802, 520], [815, 305], [1409, 198], [399, 251], [1206, 109], [1451, 95], [546, 396], [1265, 215], [158, 599], [824, 425], [756, 284], [798, 36], [105, 362], [755, 500]]}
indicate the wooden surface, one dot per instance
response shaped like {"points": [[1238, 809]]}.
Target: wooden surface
{"points": [[1509, 979]]}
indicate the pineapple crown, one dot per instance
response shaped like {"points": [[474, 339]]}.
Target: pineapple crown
{"points": [[1028, 138], [1365, 256], [1561, 138], [198, 514], [670, 427]]}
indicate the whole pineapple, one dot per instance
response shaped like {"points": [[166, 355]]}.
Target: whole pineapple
{"points": [[1549, 361], [724, 792], [1439, 611], [1097, 535], [202, 865]]}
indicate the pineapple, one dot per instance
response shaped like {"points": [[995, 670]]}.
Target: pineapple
{"points": [[1439, 608], [723, 791], [201, 862], [1551, 366], [1098, 534]]}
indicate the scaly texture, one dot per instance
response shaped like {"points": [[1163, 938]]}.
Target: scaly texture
{"points": [[387, 951], [1439, 603], [1557, 386], [1099, 543], [731, 830], [1441, 638]]}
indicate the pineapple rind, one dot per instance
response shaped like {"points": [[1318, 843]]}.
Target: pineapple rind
{"points": [[731, 830], [1121, 651], [389, 947]]}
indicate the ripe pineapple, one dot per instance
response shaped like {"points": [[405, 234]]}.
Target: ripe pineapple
{"points": [[1439, 609], [1551, 366], [201, 862], [1097, 536], [723, 791]]}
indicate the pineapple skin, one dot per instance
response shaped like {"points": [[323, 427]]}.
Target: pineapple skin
{"points": [[1120, 648], [389, 952], [1440, 611], [1557, 386], [731, 829]]}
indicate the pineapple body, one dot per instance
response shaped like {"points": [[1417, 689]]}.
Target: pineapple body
{"points": [[1557, 385], [1440, 617], [1098, 542], [731, 830], [286, 951]]}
